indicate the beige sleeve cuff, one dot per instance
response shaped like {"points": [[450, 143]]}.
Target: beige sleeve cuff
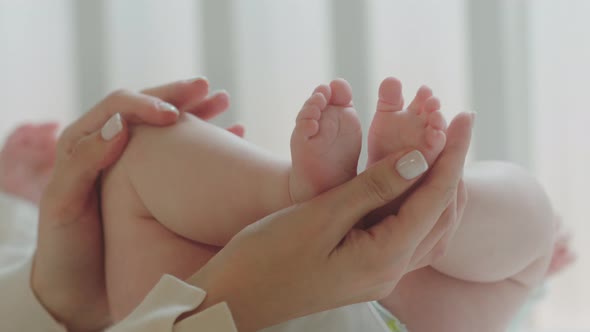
{"points": [[169, 299]]}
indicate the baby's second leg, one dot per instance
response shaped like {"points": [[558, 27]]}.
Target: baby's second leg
{"points": [[498, 255], [508, 224], [502, 246]]}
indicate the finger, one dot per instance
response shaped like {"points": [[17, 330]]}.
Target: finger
{"points": [[428, 202], [460, 205], [437, 241], [375, 187], [433, 245], [79, 169], [181, 93], [208, 107], [133, 107], [237, 130], [455, 214]]}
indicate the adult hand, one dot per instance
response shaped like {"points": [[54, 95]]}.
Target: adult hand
{"points": [[68, 267], [309, 257]]}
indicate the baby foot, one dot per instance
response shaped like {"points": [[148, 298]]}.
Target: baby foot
{"points": [[326, 142], [563, 256], [421, 126], [26, 160]]}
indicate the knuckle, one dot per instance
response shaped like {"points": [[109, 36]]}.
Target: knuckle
{"points": [[446, 192], [378, 188], [448, 218], [116, 95], [440, 250], [65, 142], [112, 99], [54, 206], [384, 291], [462, 195]]}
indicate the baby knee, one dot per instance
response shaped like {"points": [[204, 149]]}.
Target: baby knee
{"points": [[524, 200], [530, 198]]}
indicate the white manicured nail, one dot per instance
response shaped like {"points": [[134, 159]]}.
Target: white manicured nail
{"points": [[166, 107], [191, 80], [411, 165], [112, 127]]}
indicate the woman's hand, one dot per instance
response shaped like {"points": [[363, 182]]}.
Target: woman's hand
{"points": [[309, 257], [68, 267]]}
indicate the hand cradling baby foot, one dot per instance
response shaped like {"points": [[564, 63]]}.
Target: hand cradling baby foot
{"points": [[326, 142], [27, 159], [421, 126]]}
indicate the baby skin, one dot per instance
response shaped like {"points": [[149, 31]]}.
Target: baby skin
{"points": [[26, 160], [178, 194]]}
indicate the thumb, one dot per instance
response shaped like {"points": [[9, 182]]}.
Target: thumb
{"points": [[82, 164], [380, 184]]}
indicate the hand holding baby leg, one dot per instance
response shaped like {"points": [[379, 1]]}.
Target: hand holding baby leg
{"points": [[68, 268], [308, 257]]}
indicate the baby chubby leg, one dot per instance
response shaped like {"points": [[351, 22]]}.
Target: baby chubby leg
{"points": [[195, 169], [508, 224], [180, 193], [176, 194], [499, 254]]}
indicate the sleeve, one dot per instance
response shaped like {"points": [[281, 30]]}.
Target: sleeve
{"points": [[169, 299]]}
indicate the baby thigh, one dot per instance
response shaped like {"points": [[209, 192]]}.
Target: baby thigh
{"points": [[507, 228], [139, 251], [138, 248], [498, 256], [427, 300]]}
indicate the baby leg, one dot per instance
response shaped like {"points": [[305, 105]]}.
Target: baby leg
{"points": [[204, 185], [498, 255], [508, 224], [502, 246], [420, 126], [174, 197]]}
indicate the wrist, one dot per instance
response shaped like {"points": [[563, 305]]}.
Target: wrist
{"points": [[66, 310], [245, 312]]}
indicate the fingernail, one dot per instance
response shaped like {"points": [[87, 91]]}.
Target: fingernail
{"points": [[220, 92], [191, 80], [112, 127], [411, 165], [166, 107]]}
